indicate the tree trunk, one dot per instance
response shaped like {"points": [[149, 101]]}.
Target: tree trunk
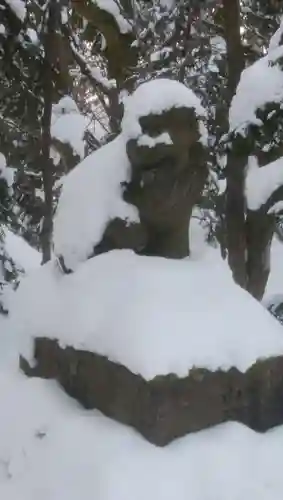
{"points": [[249, 233], [46, 162], [46, 229], [235, 51], [235, 198], [235, 218], [259, 230]]}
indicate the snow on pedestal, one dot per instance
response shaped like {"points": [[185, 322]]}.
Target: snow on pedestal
{"points": [[168, 347], [147, 314]]}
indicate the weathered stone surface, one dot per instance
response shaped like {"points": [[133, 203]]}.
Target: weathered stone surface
{"points": [[166, 407]]}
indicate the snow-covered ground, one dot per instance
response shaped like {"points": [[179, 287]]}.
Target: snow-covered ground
{"points": [[52, 449]]}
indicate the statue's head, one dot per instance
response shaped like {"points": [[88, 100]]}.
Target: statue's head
{"points": [[166, 148]]}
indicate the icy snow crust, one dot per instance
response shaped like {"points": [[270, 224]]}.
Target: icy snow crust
{"points": [[90, 197], [156, 316], [260, 84], [155, 97], [261, 182]]}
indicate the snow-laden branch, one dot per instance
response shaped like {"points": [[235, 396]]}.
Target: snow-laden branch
{"points": [[18, 7], [262, 183], [260, 84], [93, 74], [68, 125], [114, 8]]}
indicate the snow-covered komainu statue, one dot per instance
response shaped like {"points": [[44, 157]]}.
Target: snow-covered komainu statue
{"points": [[138, 191]]}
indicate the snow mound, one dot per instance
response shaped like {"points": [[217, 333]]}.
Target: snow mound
{"points": [[23, 255], [66, 105], [69, 125], [153, 315], [262, 182], [260, 84], [91, 196], [20, 258], [156, 97], [51, 449]]}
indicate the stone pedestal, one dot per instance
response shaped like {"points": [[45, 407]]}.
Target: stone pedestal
{"points": [[166, 407]]}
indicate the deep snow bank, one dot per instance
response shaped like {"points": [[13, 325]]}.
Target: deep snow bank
{"points": [[52, 450]]}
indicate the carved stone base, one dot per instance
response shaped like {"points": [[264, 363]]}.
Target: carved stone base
{"points": [[166, 407]]}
